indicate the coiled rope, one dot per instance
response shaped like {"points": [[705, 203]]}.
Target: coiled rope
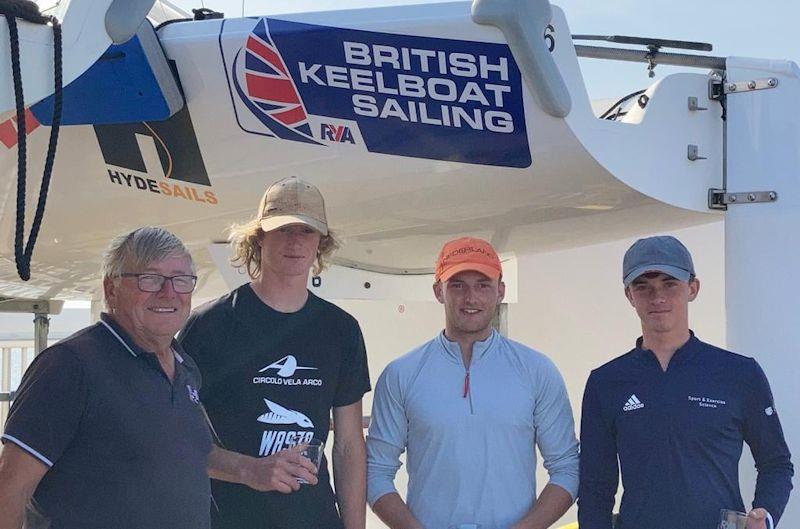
{"points": [[29, 11]]}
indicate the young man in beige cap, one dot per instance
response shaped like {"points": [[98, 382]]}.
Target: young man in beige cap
{"points": [[275, 360], [470, 406]]}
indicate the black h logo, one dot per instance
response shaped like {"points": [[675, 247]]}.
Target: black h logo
{"points": [[174, 141]]}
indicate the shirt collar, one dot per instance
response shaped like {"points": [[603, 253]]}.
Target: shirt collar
{"points": [[682, 354], [107, 320], [453, 349]]}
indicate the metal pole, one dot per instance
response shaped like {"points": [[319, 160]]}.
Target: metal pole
{"points": [[658, 57], [5, 378], [41, 327], [95, 309], [41, 309], [762, 255], [5, 384], [500, 321]]}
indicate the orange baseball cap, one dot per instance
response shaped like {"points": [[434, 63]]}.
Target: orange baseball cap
{"points": [[467, 253]]}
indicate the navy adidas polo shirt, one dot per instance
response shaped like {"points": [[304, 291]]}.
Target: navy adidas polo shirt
{"points": [[125, 446], [676, 436]]}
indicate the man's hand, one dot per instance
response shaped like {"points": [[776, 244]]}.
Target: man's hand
{"points": [[280, 471], [20, 474], [757, 519], [394, 512], [551, 505]]}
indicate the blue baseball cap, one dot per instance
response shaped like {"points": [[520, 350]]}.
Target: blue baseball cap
{"points": [[662, 253]]}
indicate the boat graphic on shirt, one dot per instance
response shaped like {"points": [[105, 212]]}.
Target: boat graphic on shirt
{"points": [[277, 414]]}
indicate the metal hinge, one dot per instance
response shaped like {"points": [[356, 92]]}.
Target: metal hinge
{"points": [[7, 397], [717, 87], [721, 199]]}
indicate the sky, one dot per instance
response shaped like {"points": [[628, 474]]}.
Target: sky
{"points": [[765, 29]]}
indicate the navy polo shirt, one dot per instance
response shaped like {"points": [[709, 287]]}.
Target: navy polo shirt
{"points": [[125, 446], [678, 436]]}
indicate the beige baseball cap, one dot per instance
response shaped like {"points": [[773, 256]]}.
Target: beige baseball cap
{"points": [[293, 201]]}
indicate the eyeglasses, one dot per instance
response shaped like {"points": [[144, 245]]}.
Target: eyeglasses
{"points": [[183, 284]]}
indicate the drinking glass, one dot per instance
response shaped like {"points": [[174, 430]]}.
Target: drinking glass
{"points": [[313, 450], [729, 519]]}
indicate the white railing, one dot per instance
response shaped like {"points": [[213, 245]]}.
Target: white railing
{"points": [[15, 357]]}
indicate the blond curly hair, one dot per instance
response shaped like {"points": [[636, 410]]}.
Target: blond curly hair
{"points": [[246, 242]]}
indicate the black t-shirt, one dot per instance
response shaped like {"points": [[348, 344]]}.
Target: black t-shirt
{"points": [[126, 447], [270, 380]]}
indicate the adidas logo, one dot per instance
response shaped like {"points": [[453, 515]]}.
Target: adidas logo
{"points": [[633, 404]]}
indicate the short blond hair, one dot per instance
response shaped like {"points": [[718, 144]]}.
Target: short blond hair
{"points": [[246, 242]]}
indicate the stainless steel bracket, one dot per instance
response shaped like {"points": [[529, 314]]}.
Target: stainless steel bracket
{"points": [[717, 88], [694, 106], [721, 199], [693, 153]]}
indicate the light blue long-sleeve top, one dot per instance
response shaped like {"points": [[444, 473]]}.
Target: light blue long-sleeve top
{"points": [[470, 446]]}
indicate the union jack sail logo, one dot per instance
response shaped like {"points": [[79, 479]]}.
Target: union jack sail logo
{"points": [[264, 85]]}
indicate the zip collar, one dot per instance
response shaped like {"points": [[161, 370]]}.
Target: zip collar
{"points": [[683, 354], [452, 349]]}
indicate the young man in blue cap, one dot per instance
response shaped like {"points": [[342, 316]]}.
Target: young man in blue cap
{"points": [[675, 412]]}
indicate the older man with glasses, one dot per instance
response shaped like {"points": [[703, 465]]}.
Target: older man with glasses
{"points": [[107, 429]]}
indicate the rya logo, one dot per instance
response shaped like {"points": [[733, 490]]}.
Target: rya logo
{"points": [[338, 134]]}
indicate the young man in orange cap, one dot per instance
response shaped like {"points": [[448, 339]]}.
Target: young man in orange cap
{"points": [[469, 406]]}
